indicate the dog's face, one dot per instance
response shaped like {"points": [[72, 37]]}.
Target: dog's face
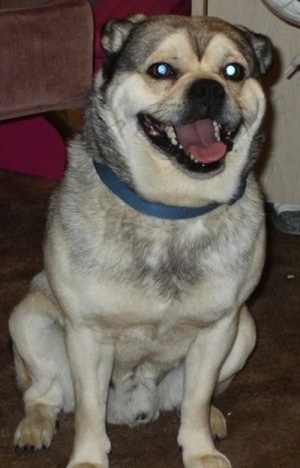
{"points": [[183, 102]]}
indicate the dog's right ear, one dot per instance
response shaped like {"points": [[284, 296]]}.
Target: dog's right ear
{"points": [[115, 32]]}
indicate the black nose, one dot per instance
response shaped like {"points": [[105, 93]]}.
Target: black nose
{"points": [[207, 95]]}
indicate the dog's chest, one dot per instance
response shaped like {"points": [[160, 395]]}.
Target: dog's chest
{"points": [[140, 271], [154, 291], [163, 262], [149, 290]]}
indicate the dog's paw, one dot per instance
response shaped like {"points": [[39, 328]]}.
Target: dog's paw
{"points": [[96, 456], [34, 432], [208, 461], [217, 424]]}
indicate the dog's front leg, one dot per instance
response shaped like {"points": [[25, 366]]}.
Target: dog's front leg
{"points": [[202, 367], [91, 365]]}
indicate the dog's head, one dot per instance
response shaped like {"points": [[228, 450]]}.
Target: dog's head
{"points": [[182, 102]]}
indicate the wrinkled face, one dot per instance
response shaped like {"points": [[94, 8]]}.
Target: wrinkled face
{"points": [[199, 113], [183, 89]]}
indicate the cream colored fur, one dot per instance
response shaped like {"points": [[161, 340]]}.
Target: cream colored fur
{"points": [[101, 331]]}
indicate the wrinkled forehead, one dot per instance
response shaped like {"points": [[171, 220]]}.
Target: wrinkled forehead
{"points": [[185, 41], [217, 50]]}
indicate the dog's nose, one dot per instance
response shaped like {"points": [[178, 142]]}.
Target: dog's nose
{"points": [[207, 94]]}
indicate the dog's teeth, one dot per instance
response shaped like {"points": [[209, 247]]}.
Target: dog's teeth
{"points": [[171, 134], [192, 157], [216, 130]]}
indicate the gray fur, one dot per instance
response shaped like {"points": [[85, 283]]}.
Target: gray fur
{"points": [[134, 314]]}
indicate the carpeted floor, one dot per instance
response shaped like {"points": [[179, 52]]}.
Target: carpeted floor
{"points": [[262, 405]]}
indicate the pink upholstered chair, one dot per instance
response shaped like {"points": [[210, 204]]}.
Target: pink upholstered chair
{"points": [[46, 50], [46, 64]]}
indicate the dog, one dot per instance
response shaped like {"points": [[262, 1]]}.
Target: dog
{"points": [[155, 239]]}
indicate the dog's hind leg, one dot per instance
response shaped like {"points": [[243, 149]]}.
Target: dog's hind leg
{"points": [[42, 369]]}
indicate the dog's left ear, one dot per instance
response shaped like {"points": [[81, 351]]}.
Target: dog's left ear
{"points": [[262, 47], [115, 32]]}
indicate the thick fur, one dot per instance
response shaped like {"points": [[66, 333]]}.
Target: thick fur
{"points": [[134, 314]]}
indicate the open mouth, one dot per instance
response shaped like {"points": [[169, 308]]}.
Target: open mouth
{"points": [[199, 146]]}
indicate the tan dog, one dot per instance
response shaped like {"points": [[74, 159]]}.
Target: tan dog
{"points": [[155, 240]]}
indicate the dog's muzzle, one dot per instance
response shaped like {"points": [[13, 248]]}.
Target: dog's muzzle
{"points": [[199, 145]]}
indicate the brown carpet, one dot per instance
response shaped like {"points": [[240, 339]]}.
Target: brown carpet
{"points": [[262, 405]]}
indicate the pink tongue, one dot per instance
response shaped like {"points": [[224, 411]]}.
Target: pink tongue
{"points": [[198, 139]]}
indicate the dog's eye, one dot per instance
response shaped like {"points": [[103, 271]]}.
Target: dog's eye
{"points": [[234, 72], [161, 71]]}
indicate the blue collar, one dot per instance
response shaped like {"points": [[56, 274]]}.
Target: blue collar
{"points": [[157, 210]]}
